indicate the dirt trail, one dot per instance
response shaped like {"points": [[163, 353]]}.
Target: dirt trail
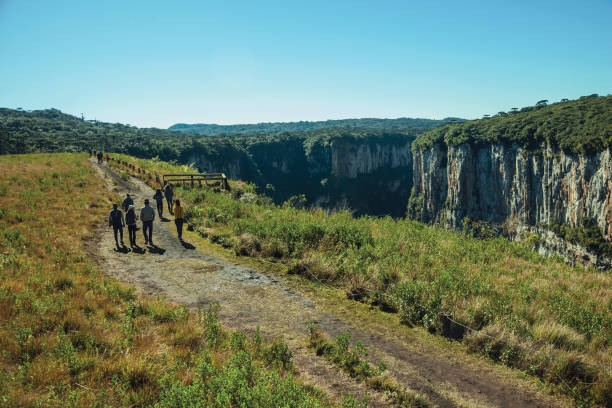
{"points": [[248, 298]]}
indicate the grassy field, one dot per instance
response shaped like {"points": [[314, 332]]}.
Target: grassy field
{"points": [[69, 336], [533, 313]]}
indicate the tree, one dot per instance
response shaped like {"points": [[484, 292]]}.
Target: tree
{"points": [[514, 109], [486, 116], [542, 102], [564, 100]]}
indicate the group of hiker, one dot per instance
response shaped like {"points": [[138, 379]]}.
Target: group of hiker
{"points": [[99, 156], [117, 220]]}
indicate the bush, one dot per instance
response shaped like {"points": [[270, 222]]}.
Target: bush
{"points": [[248, 245]]}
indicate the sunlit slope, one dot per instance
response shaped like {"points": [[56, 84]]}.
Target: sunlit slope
{"points": [[71, 337]]}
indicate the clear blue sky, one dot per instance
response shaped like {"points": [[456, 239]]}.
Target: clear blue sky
{"points": [[156, 63]]}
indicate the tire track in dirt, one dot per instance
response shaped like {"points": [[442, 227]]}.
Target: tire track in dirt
{"points": [[248, 299]]}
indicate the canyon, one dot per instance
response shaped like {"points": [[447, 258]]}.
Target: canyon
{"points": [[505, 185]]}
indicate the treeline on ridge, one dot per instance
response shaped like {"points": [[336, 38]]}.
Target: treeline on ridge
{"points": [[51, 130], [581, 126], [278, 127]]}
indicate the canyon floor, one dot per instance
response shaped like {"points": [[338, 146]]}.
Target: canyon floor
{"points": [[251, 294]]}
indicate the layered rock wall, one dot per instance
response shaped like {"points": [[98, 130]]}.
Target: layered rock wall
{"points": [[364, 175], [508, 184]]}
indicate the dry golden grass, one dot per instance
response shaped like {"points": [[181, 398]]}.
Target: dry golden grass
{"points": [[68, 335]]}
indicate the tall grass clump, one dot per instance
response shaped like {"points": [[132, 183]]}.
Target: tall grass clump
{"points": [[69, 336], [547, 318]]}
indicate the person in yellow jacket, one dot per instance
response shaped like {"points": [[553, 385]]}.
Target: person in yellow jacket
{"points": [[179, 218]]}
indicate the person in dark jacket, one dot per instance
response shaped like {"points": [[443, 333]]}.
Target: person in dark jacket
{"points": [[147, 215], [130, 220], [115, 220], [159, 199], [169, 193], [127, 201]]}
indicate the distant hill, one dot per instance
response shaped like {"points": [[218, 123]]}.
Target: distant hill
{"points": [[581, 126], [277, 127], [51, 130]]}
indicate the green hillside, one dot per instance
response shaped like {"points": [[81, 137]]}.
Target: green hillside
{"points": [[50, 130], [583, 125], [278, 127]]}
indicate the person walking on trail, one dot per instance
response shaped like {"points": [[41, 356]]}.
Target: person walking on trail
{"points": [[169, 193], [99, 156], [127, 201], [115, 220], [159, 199], [179, 218], [130, 220], [147, 215]]}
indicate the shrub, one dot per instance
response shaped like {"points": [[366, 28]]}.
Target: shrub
{"points": [[248, 245]]}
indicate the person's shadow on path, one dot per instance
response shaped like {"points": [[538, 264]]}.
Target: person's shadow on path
{"points": [[164, 219], [187, 245], [123, 249], [138, 250], [154, 249]]}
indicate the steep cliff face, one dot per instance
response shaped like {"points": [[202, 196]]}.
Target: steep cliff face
{"points": [[508, 184], [368, 176], [349, 160]]}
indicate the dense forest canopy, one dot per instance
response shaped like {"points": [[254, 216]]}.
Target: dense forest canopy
{"points": [[578, 126], [51, 130], [278, 127], [581, 126]]}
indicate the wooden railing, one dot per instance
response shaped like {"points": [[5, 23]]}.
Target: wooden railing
{"points": [[199, 178], [215, 178]]}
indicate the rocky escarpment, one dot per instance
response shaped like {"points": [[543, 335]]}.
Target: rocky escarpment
{"points": [[508, 184], [367, 175]]}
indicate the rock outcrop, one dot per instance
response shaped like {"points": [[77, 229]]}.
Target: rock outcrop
{"points": [[514, 186], [365, 175]]}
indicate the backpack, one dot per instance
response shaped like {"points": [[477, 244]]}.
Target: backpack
{"points": [[130, 217], [116, 217]]}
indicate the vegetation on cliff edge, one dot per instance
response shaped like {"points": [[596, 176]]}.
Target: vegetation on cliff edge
{"points": [[581, 126]]}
